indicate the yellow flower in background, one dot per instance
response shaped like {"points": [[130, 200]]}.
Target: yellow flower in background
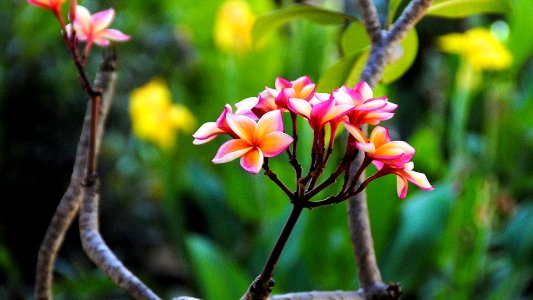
{"points": [[478, 47], [233, 26], [155, 118]]}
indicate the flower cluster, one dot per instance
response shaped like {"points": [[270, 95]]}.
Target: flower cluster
{"points": [[257, 131]]}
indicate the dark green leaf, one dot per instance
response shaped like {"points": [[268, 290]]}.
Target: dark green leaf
{"points": [[343, 71], [393, 6], [270, 21], [218, 275]]}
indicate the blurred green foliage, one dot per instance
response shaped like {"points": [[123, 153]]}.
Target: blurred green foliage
{"points": [[187, 226]]}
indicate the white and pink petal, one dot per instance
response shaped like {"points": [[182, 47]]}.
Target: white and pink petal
{"points": [[231, 150]]}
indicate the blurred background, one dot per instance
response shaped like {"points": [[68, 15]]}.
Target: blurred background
{"points": [[188, 227]]}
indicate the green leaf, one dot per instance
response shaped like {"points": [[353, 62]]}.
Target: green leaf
{"points": [[465, 8], [355, 43], [342, 71], [422, 221], [393, 6], [354, 38], [521, 37], [272, 20], [406, 53], [219, 277]]}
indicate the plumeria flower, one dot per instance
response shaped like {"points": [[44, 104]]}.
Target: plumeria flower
{"points": [[53, 5], [301, 88], [93, 28], [368, 110], [254, 141], [405, 174], [320, 110], [277, 98], [380, 148]]}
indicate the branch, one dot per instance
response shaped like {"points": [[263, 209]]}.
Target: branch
{"points": [[370, 19], [360, 233], [410, 16], [263, 284], [98, 251], [314, 295], [70, 202]]}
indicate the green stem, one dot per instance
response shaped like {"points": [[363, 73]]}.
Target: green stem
{"points": [[460, 110]]}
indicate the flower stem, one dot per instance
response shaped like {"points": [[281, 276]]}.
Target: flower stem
{"points": [[261, 287]]}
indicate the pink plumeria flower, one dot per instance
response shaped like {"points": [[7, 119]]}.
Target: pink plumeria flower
{"points": [[53, 5], [380, 148], [368, 110], [320, 110], [255, 140], [93, 28], [405, 174], [301, 88], [277, 98]]}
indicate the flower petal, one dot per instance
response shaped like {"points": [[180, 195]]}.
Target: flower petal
{"points": [[364, 89], [270, 122], [379, 136], [300, 107], [206, 132], [252, 161], [82, 23], [355, 132], [114, 35], [337, 111], [243, 126], [419, 179], [401, 186], [274, 143], [244, 107], [366, 147], [230, 150], [282, 83], [102, 19], [320, 111]]}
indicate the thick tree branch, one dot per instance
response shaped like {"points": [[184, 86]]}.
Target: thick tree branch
{"points": [[370, 17], [98, 251], [70, 202], [359, 223], [409, 17]]}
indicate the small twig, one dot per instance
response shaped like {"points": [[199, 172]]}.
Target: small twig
{"points": [[70, 202], [274, 177], [293, 159], [98, 251]]}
